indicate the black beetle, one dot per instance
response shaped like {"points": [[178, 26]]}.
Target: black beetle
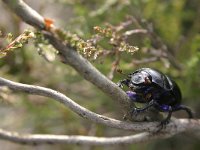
{"points": [[157, 90]]}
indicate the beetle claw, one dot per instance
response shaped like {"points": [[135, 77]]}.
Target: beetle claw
{"points": [[162, 125], [119, 84], [135, 111]]}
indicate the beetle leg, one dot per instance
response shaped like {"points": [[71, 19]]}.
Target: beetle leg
{"points": [[133, 96], [125, 82], [138, 110], [164, 122], [183, 107]]}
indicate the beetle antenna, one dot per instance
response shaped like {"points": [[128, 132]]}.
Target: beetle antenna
{"points": [[121, 72]]}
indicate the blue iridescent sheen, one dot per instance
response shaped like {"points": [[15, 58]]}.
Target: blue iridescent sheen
{"points": [[132, 95], [164, 107], [156, 90]]}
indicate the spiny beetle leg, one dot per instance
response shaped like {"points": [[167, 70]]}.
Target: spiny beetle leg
{"points": [[185, 108]]}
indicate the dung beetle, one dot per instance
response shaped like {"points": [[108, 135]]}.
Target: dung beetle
{"points": [[156, 90]]}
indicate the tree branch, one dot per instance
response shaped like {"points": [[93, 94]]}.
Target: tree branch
{"points": [[73, 58], [29, 15], [176, 126], [36, 139], [81, 111], [90, 73]]}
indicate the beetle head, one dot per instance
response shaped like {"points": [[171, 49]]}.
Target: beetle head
{"points": [[140, 78]]}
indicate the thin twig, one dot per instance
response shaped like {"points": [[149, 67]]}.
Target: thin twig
{"points": [[130, 32], [156, 41], [145, 60]]}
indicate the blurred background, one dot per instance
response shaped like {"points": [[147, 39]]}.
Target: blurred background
{"points": [[173, 47]]}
